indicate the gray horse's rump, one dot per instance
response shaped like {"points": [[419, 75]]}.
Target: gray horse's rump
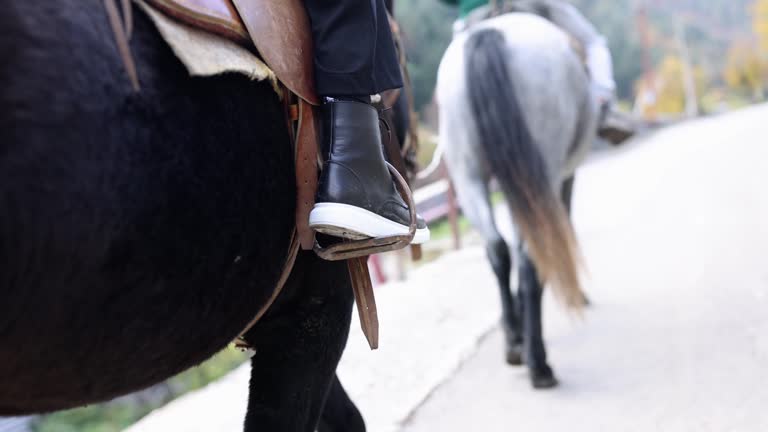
{"points": [[515, 104]]}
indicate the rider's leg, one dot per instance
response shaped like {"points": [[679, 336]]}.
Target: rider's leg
{"points": [[354, 58], [600, 66]]}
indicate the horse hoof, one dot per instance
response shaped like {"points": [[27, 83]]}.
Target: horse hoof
{"points": [[514, 356], [543, 380]]}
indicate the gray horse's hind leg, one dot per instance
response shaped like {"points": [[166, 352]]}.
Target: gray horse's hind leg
{"points": [[501, 261], [530, 292], [473, 195]]}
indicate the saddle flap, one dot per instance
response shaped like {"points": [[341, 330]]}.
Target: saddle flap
{"points": [[281, 32], [216, 16]]}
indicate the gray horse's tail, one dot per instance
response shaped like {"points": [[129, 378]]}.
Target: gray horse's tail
{"points": [[519, 167]]}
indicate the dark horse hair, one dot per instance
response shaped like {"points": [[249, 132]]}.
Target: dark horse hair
{"points": [[141, 231]]}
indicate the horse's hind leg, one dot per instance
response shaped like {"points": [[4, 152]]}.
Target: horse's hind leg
{"points": [[298, 345], [340, 414], [473, 196], [501, 261], [530, 292]]}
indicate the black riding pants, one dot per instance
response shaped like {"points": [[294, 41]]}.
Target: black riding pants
{"points": [[354, 51]]}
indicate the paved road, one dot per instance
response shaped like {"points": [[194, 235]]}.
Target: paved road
{"points": [[675, 234]]}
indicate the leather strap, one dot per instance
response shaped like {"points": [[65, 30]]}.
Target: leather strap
{"points": [[417, 253], [366, 302], [122, 33], [128, 18], [306, 172], [305, 151], [394, 149], [392, 145]]}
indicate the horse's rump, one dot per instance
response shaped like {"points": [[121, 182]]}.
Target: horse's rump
{"points": [[140, 232], [518, 163]]}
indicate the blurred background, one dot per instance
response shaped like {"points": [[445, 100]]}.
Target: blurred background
{"points": [[673, 225], [720, 45]]}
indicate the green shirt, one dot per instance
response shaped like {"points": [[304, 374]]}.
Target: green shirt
{"points": [[466, 6]]}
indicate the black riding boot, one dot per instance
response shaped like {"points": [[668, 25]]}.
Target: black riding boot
{"points": [[356, 196]]}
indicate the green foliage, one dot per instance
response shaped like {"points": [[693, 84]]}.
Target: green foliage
{"points": [[427, 30], [745, 69], [615, 19], [120, 413], [442, 230]]}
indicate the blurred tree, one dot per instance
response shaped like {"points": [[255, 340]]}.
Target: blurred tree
{"points": [[615, 19], [760, 23], [711, 26], [745, 69], [427, 31], [669, 93]]}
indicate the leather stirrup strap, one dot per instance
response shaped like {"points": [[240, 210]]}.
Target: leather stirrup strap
{"points": [[366, 302], [394, 151], [306, 172], [392, 144]]}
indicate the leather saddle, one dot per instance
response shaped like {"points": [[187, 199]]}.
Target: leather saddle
{"points": [[278, 30]]}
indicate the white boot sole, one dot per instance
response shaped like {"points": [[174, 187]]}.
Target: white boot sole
{"points": [[347, 221]]}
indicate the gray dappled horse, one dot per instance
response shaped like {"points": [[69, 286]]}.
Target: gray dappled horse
{"points": [[515, 104]]}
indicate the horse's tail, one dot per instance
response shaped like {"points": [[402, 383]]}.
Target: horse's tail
{"points": [[519, 167]]}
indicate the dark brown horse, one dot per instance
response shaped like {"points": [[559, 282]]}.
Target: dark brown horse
{"points": [[140, 232]]}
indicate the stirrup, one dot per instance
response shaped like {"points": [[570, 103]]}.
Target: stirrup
{"points": [[361, 248]]}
